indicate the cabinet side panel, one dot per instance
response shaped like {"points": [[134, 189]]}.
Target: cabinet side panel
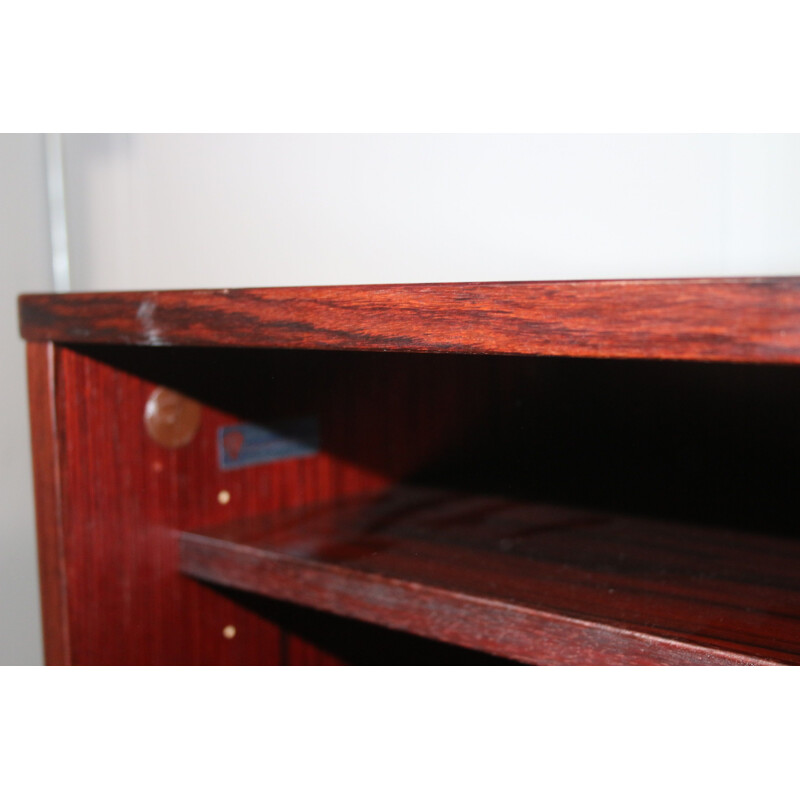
{"points": [[125, 497], [122, 497], [42, 377]]}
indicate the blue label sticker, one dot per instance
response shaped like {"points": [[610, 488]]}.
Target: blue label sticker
{"points": [[246, 445]]}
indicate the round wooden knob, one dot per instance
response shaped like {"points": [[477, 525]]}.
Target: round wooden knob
{"points": [[170, 418]]}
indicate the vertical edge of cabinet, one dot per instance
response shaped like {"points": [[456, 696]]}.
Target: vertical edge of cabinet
{"points": [[42, 384]]}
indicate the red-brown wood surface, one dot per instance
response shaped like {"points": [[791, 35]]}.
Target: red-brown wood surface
{"points": [[111, 499], [537, 583], [755, 319], [42, 380], [713, 443], [121, 493]]}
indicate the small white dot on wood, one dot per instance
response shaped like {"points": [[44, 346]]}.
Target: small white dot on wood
{"points": [[229, 631], [224, 497]]}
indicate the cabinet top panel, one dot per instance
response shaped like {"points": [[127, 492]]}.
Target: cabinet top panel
{"points": [[742, 319]]}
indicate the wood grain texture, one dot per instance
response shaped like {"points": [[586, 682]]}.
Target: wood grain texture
{"points": [[123, 497], [536, 583], [120, 492], [42, 380], [714, 444], [755, 320]]}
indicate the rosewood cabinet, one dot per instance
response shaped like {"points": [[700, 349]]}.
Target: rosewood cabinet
{"points": [[544, 473]]}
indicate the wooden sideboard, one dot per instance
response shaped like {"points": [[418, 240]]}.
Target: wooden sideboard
{"points": [[546, 473]]}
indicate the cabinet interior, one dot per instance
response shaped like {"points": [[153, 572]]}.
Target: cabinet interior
{"points": [[698, 447]]}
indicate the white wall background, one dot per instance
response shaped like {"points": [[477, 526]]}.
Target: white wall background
{"points": [[24, 267], [156, 211], [173, 211]]}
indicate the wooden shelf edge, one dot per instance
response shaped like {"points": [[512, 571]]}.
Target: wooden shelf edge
{"points": [[739, 320], [430, 613], [517, 631]]}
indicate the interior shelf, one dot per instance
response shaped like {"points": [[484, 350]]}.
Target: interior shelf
{"points": [[535, 583]]}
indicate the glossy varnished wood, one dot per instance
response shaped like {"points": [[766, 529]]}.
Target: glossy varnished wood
{"points": [[531, 582], [42, 381], [304, 576], [120, 493], [112, 499], [753, 320]]}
